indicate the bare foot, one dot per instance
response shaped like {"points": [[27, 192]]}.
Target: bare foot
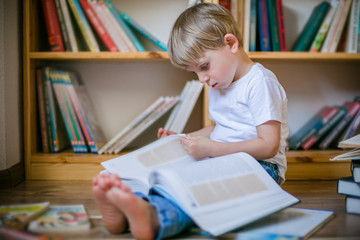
{"points": [[114, 219], [140, 214]]}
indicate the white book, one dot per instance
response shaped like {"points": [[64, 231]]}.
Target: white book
{"points": [[69, 26], [132, 124], [337, 26], [244, 193], [246, 31], [353, 28], [147, 122]]}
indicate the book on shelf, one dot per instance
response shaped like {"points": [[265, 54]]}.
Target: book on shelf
{"points": [[273, 25], [309, 31], [247, 22], [352, 108], [312, 126], [165, 166], [324, 28], [353, 28], [52, 25], [98, 25], [355, 169], [352, 204], [139, 28], [45, 141], [181, 113], [56, 129], [308, 143], [253, 24], [225, 3], [62, 24], [83, 25], [61, 218], [337, 26], [68, 26], [263, 24], [19, 215], [353, 128], [347, 186], [280, 20]]}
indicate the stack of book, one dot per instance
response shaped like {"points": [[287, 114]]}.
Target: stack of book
{"points": [[324, 30], [82, 25], [182, 107], [350, 186], [328, 126], [66, 113]]}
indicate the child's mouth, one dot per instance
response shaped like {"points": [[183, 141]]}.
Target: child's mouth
{"points": [[214, 85]]}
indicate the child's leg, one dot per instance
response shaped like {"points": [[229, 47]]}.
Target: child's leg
{"points": [[271, 169], [114, 219]]}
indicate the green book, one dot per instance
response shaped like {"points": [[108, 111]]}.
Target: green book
{"points": [[274, 26]]}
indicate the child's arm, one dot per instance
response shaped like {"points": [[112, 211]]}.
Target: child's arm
{"points": [[264, 146], [205, 132]]}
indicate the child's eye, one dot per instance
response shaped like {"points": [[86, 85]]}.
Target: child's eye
{"points": [[204, 66]]}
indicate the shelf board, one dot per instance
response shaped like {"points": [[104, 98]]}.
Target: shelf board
{"points": [[127, 56]]}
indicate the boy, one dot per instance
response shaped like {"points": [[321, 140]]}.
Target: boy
{"points": [[246, 103]]}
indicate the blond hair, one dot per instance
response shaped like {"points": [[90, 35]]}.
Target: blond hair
{"points": [[199, 28]]}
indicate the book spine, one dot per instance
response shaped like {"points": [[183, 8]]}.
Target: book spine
{"points": [[281, 25], [143, 31], [47, 111], [42, 113], [52, 25], [246, 34], [253, 20], [354, 126], [353, 27], [84, 26], [273, 25], [63, 26], [69, 26], [264, 35], [98, 26], [311, 28]]}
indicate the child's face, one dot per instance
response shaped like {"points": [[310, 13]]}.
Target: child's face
{"points": [[217, 68]]}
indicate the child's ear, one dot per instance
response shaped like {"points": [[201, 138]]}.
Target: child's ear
{"points": [[232, 42]]}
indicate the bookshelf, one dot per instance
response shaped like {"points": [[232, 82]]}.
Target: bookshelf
{"points": [[312, 164]]}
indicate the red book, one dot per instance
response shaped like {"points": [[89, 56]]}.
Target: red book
{"points": [[226, 4], [52, 25], [98, 26], [280, 17]]}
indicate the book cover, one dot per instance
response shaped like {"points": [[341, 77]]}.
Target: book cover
{"points": [[41, 111], [337, 26], [273, 25], [324, 129], [280, 18], [61, 218], [98, 26], [246, 31], [130, 21], [352, 109], [347, 186], [69, 25], [52, 25], [84, 26], [353, 28], [16, 234], [19, 215], [63, 26], [352, 205], [324, 28], [263, 24], [312, 125], [354, 127], [253, 24], [355, 170], [307, 35], [164, 165]]}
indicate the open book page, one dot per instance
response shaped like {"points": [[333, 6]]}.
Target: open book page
{"points": [[353, 142], [223, 193], [139, 164]]}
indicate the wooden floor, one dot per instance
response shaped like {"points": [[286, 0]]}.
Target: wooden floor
{"points": [[313, 194]]}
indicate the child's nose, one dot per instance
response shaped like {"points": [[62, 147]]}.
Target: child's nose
{"points": [[203, 78]]}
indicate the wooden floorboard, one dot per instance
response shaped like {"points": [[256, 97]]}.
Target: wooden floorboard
{"points": [[313, 194]]}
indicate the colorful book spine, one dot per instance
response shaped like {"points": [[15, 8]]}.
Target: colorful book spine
{"points": [[246, 32], [307, 35], [128, 33], [324, 28], [84, 26], [273, 25], [69, 26], [143, 31], [280, 17], [352, 108], [324, 130], [42, 113], [353, 27], [311, 126], [263, 23], [98, 26], [354, 127], [63, 26], [52, 25], [47, 112], [253, 21]]}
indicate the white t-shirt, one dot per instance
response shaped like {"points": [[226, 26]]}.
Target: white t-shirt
{"points": [[250, 101]]}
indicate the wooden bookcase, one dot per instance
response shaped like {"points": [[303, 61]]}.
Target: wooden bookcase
{"points": [[313, 164]]}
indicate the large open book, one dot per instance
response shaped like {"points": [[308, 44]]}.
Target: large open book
{"points": [[219, 194]]}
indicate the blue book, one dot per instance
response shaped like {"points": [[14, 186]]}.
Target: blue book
{"points": [[263, 19], [143, 31], [252, 39], [123, 25]]}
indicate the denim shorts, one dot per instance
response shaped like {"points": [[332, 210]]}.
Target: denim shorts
{"points": [[172, 219]]}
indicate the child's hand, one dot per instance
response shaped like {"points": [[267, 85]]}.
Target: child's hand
{"points": [[197, 147], [163, 133]]}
